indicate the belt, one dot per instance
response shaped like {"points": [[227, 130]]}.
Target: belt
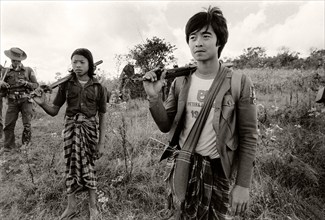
{"points": [[18, 95]]}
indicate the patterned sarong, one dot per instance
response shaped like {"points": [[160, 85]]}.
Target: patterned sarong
{"points": [[207, 196], [80, 139]]}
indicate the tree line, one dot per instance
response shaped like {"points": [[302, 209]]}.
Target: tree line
{"points": [[255, 57], [155, 52]]}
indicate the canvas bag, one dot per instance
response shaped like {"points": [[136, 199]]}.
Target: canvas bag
{"points": [[179, 180]]}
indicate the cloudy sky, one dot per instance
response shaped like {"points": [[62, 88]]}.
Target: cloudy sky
{"points": [[49, 31]]}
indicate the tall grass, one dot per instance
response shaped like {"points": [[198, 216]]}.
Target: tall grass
{"points": [[289, 171]]}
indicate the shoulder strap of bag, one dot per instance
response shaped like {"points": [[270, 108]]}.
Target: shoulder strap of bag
{"points": [[180, 176], [194, 135]]}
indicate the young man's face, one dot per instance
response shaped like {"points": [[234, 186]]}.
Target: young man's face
{"points": [[203, 44], [80, 65]]}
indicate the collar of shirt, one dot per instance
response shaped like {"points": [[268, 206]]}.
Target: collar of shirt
{"points": [[90, 82], [21, 67]]}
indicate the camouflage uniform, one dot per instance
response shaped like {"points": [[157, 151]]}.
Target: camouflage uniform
{"points": [[19, 101]]}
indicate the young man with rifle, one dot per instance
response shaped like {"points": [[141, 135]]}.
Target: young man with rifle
{"points": [[17, 82], [212, 131]]}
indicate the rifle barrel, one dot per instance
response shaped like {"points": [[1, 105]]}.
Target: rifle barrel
{"points": [[98, 62]]}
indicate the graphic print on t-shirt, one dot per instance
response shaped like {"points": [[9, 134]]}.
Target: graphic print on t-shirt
{"points": [[201, 95], [197, 103]]}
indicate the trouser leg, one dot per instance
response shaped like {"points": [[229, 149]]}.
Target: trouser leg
{"points": [[1, 122], [10, 123], [26, 112]]}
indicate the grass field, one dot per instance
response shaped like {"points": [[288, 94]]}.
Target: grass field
{"points": [[289, 172]]}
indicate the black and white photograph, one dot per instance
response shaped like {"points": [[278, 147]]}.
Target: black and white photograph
{"points": [[162, 110]]}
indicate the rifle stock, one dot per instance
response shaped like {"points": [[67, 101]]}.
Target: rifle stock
{"points": [[175, 72]]}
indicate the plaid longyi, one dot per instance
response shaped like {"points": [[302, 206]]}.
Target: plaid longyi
{"points": [[80, 139], [207, 196]]}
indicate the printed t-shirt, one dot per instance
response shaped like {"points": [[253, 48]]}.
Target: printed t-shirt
{"points": [[207, 142]]}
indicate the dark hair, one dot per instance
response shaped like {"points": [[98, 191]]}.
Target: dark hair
{"points": [[214, 17], [87, 54]]}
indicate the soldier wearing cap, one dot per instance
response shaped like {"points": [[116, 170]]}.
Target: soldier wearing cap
{"points": [[18, 82]]}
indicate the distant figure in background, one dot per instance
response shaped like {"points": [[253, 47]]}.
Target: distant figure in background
{"points": [[84, 135], [127, 73], [115, 97], [17, 84]]}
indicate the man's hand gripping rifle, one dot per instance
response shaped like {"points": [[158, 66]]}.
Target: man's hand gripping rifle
{"points": [[48, 88]]}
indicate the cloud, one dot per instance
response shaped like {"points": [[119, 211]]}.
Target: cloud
{"points": [[244, 34], [299, 32], [49, 31], [302, 30]]}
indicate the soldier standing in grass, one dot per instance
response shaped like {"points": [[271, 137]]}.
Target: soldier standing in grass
{"points": [[127, 73], [17, 83], [83, 139], [229, 133], [2, 71]]}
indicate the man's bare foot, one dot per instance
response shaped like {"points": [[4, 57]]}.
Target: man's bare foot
{"points": [[93, 213], [68, 213]]}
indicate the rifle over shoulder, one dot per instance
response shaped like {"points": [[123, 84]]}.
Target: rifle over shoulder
{"points": [[172, 73], [47, 88]]}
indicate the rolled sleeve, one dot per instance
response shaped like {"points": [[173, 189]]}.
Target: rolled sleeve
{"points": [[32, 84], [60, 97]]}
